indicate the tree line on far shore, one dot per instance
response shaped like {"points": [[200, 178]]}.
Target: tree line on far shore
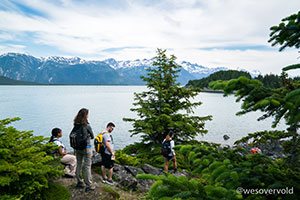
{"points": [[268, 80]]}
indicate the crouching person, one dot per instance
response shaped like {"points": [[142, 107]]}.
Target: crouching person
{"points": [[68, 160]]}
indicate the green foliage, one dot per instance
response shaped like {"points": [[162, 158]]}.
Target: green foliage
{"points": [[262, 137], [151, 154], [24, 163], [280, 103], [220, 171], [174, 187], [113, 192], [220, 75], [268, 80], [55, 192], [124, 159], [147, 176], [287, 33], [290, 67], [166, 105]]}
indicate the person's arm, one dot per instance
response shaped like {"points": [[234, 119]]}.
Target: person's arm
{"points": [[61, 152], [172, 144], [110, 149], [89, 128]]}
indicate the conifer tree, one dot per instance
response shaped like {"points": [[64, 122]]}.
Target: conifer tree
{"points": [[165, 105], [25, 166], [287, 33], [281, 103]]}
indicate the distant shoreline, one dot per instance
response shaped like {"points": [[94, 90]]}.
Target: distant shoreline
{"points": [[211, 91], [206, 90], [41, 84]]}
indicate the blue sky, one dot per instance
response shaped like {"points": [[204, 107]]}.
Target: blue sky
{"points": [[230, 33]]}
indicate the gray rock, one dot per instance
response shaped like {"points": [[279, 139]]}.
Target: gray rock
{"points": [[273, 149], [226, 137], [148, 169], [118, 167], [133, 170], [120, 172], [128, 181], [125, 176], [177, 173], [96, 158], [144, 185]]}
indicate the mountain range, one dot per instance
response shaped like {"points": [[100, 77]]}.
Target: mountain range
{"points": [[61, 70]]}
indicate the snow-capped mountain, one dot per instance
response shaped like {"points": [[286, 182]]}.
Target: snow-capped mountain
{"points": [[63, 60], [253, 73], [128, 64], [61, 70], [200, 71], [189, 71]]}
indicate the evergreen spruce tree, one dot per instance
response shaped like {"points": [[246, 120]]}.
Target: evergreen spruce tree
{"points": [[25, 166], [287, 33], [165, 105], [280, 103]]}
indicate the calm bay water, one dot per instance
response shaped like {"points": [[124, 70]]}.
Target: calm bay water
{"points": [[42, 108]]}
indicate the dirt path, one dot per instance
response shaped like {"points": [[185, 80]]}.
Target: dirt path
{"points": [[102, 191]]}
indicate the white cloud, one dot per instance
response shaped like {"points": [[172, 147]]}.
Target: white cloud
{"points": [[12, 48], [265, 61], [5, 36], [88, 28]]}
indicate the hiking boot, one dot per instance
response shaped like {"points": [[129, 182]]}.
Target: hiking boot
{"points": [[68, 176], [110, 182], [104, 180], [91, 188], [80, 185]]}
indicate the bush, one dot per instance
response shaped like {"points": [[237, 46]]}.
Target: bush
{"points": [[218, 172], [124, 159], [24, 163], [55, 192]]}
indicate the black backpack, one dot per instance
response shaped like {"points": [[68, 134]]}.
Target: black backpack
{"points": [[166, 148], [78, 137]]}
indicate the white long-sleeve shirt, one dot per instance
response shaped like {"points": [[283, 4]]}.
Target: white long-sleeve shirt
{"points": [[172, 144]]}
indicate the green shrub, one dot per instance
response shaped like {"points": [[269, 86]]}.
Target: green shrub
{"points": [[218, 172], [55, 192], [124, 159], [112, 192], [24, 163]]}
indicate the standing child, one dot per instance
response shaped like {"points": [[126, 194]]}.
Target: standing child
{"points": [[168, 151]]}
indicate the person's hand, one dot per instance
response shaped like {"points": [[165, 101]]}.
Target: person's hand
{"points": [[113, 157]]}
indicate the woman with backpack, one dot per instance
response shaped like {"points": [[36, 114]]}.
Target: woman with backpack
{"points": [[168, 151], [67, 159], [84, 153]]}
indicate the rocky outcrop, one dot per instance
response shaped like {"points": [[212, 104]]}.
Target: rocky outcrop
{"points": [[126, 175], [272, 148], [148, 169]]}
